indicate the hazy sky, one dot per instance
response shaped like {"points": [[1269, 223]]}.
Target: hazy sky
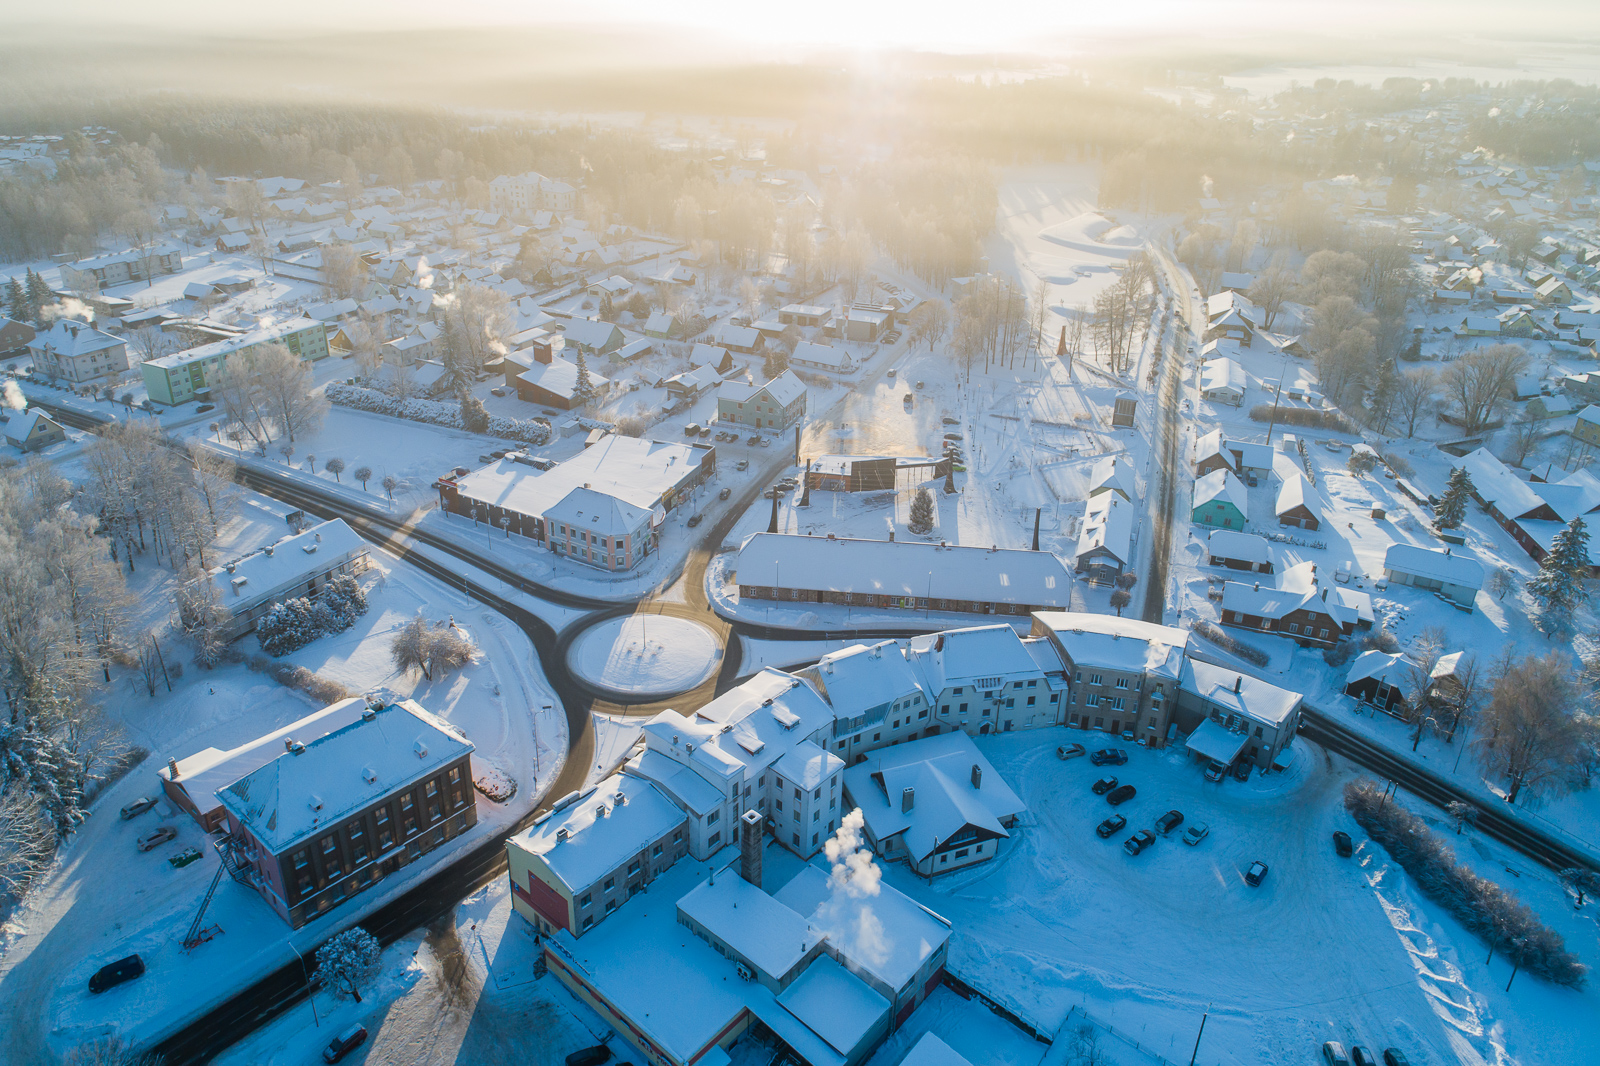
{"points": [[1048, 25]]}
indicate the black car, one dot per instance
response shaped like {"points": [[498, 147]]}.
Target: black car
{"points": [[1360, 1056], [203, 408], [1111, 825], [1395, 1057], [1241, 771], [1138, 842], [724, 494], [1104, 785], [694, 520], [1168, 822], [589, 1056], [1256, 874], [1118, 796], [1341, 844], [344, 1043], [1113, 756], [115, 973]]}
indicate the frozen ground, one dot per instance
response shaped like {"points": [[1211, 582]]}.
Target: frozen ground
{"points": [[645, 655], [105, 900], [1325, 949]]}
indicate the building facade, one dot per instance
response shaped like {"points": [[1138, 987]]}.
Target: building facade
{"points": [[778, 404], [121, 268], [75, 351], [188, 375]]}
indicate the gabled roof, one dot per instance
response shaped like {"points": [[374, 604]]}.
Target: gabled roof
{"points": [[1391, 668], [1496, 485], [1222, 374], [19, 427], [602, 830], [1233, 544], [1238, 692], [70, 337], [1297, 492], [860, 678], [784, 389], [963, 656], [1108, 474], [1438, 565], [1107, 524], [1220, 486], [1128, 644]]}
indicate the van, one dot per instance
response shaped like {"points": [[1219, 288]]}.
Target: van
{"points": [[344, 1043], [1333, 1054]]}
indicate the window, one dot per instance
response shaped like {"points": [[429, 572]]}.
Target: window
{"points": [[1258, 732], [796, 839], [777, 782], [611, 905], [944, 858], [1094, 679], [796, 813], [831, 802], [1091, 700], [1117, 703], [961, 854], [588, 899], [1152, 721], [611, 882], [816, 816], [963, 708], [716, 838], [1099, 723], [587, 922], [778, 803], [408, 813], [712, 818], [945, 709], [385, 828], [1294, 627], [432, 791], [923, 713], [1122, 682], [817, 793], [1324, 634], [657, 851], [633, 867], [357, 832], [879, 736], [330, 856], [302, 870]]}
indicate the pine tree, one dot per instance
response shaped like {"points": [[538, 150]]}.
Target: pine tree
{"points": [[39, 297], [1452, 508], [16, 301], [1558, 587], [921, 512], [776, 362], [585, 385], [1384, 392], [474, 416]]}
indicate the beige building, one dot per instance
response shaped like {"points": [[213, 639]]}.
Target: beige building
{"points": [[75, 351]]}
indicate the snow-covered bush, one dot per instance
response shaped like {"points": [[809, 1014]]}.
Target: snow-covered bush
{"points": [[347, 960], [293, 624], [527, 430], [1244, 651], [1489, 912], [433, 649], [1297, 416]]}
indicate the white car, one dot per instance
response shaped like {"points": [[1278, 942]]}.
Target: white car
{"points": [[1196, 832]]}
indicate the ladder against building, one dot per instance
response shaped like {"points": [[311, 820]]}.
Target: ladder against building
{"points": [[231, 862]]}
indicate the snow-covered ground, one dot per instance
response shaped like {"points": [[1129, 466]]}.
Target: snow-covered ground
{"points": [[614, 738], [104, 899], [645, 655], [1326, 948]]}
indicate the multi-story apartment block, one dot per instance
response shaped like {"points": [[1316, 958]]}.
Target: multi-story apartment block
{"points": [[1123, 673], [521, 195], [987, 679], [120, 268], [76, 351], [186, 375]]}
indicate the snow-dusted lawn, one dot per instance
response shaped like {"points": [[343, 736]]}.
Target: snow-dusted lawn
{"points": [[1325, 949], [106, 900], [645, 655]]}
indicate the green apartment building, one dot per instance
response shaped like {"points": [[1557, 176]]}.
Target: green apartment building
{"points": [[181, 377]]}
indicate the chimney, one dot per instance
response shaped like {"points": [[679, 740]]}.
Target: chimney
{"points": [[172, 768], [977, 776], [908, 798], [543, 352], [750, 843], [891, 536], [1238, 683]]}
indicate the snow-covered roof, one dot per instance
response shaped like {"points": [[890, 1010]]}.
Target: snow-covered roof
{"points": [[1297, 492], [1250, 454], [784, 390], [1212, 740], [660, 322], [820, 355], [903, 568], [1129, 645], [911, 932], [20, 426], [931, 1051], [263, 335], [632, 470], [835, 1004], [708, 355], [1239, 693], [1232, 544], [1442, 566], [70, 337], [769, 935], [862, 678], [588, 333], [280, 567], [1391, 668], [1222, 375], [329, 311], [1495, 484], [1107, 473], [1108, 525], [737, 336], [1210, 445], [965, 656], [634, 349], [1220, 486], [609, 823], [343, 771], [945, 800]]}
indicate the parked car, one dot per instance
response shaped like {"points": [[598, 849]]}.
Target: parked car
{"points": [[1256, 873], [1215, 770], [486, 458], [691, 429], [344, 1043], [498, 390], [1069, 751], [1333, 1054], [1360, 1056], [764, 442], [724, 494], [919, 384], [184, 858], [1196, 832], [1127, 736], [1342, 845], [705, 431], [1111, 825], [138, 807], [1118, 796], [906, 399], [1138, 842], [1241, 770], [953, 436], [891, 373], [158, 837], [694, 520], [498, 453], [1113, 756], [203, 408], [589, 1056], [949, 421], [113, 974], [1104, 785], [1168, 822], [1395, 1057]]}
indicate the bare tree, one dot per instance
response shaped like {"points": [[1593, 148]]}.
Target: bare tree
{"points": [[1528, 732], [389, 485], [343, 272], [1416, 394], [27, 840], [1273, 288], [1500, 581], [285, 390], [1480, 381], [1524, 435]]}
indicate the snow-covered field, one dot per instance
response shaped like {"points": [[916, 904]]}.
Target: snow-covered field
{"points": [[645, 655], [104, 899]]}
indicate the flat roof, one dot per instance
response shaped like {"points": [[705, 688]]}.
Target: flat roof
{"points": [[633, 470], [835, 1004]]}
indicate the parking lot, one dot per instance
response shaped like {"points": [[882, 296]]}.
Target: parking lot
{"points": [[1145, 942]]}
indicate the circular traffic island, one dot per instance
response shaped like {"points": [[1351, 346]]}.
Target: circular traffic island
{"points": [[643, 657]]}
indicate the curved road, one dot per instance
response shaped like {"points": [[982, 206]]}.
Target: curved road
{"points": [[227, 1022]]}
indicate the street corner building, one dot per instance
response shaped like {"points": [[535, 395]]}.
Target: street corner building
{"points": [[328, 806]]}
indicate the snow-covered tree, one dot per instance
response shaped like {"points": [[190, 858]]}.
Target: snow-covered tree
{"points": [[1529, 732], [474, 416], [433, 649], [334, 466], [584, 386], [1559, 586], [921, 520], [1120, 599], [362, 474], [347, 960], [1452, 509]]}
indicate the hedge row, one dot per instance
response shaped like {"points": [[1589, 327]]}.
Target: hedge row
{"points": [[1334, 421], [1488, 911], [528, 430]]}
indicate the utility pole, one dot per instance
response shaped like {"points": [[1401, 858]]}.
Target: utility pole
{"points": [[1201, 1033]]}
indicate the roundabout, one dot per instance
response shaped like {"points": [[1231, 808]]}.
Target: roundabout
{"points": [[645, 656]]}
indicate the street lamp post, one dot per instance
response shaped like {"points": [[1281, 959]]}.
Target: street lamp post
{"points": [[310, 993]]}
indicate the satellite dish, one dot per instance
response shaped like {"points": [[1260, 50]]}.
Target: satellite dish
{"points": [[658, 516]]}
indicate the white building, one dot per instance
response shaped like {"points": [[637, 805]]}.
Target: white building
{"points": [[988, 679], [298, 565], [523, 195], [1456, 578], [76, 351]]}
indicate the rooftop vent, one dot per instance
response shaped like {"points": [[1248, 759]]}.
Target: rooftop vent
{"points": [[369, 775], [315, 801], [231, 567], [172, 768], [420, 748], [600, 810], [727, 729], [619, 799], [369, 713], [977, 776], [562, 834], [908, 799], [1238, 683], [268, 549], [308, 548], [292, 745]]}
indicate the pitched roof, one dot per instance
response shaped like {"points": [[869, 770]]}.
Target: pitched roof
{"points": [[1442, 566], [784, 389], [1297, 492], [1232, 544], [597, 834], [1220, 486], [1391, 668], [1238, 692]]}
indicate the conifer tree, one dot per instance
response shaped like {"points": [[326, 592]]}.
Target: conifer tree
{"points": [[585, 384], [1558, 587], [1452, 508], [921, 512]]}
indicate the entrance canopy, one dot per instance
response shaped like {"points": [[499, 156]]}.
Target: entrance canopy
{"points": [[1215, 742]]}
